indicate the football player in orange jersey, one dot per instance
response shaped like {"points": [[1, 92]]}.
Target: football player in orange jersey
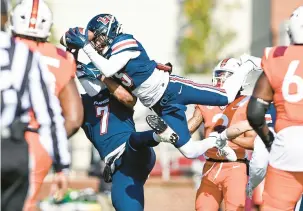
{"points": [[31, 22], [282, 83], [220, 177]]}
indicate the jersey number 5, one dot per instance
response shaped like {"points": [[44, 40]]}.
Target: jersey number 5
{"points": [[103, 113], [125, 79], [291, 78]]}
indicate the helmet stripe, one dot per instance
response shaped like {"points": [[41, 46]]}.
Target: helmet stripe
{"points": [[110, 25], [34, 14]]}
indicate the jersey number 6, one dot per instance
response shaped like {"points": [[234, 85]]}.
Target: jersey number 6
{"points": [[291, 78]]}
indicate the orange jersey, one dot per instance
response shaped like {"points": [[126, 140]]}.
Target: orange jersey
{"points": [[210, 114], [233, 113], [283, 66], [61, 64]]}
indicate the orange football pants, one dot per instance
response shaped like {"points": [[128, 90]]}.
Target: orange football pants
{"points": [[222, 181], [282, 191], [41, 162]]}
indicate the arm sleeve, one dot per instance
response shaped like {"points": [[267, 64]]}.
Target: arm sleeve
{"points": [[47, 111], [110, 66]]}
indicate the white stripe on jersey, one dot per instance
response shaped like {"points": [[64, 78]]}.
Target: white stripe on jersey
{"points": [[129, 43], [197, 87]]}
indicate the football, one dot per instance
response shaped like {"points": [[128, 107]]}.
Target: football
{"points": [[82, 30]]}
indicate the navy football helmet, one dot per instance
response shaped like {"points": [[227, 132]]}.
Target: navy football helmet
{"points": [[105, 28]]}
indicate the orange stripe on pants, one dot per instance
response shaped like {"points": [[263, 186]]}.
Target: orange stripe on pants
{"points": [[282, 190], [41, 162], [224, 181]]}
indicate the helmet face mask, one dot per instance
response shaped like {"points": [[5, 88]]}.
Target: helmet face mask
{"points": [[224, 69], [32, 19], [100, 43], [219, 77]]}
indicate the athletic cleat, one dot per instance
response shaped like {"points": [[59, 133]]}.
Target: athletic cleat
{"points": [[165, 133]]}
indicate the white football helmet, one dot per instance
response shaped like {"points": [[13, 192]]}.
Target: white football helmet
{"points": [[223, 70], [32, 18], [295, 28]]}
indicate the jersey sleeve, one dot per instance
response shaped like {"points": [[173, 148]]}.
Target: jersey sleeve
{"points": [[265, 63], [125, 43]]}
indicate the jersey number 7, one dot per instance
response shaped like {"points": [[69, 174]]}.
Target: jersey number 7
{"points": [[103, 113]]}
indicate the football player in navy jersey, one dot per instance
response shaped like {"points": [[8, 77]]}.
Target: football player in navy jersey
{"points": [[109, 125], [122, 57]]}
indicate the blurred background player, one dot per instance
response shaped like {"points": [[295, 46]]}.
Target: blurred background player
{"points": [[220, 176], [24, 85], [121, 56], [281, 83], [109, 125], [31, 22]]}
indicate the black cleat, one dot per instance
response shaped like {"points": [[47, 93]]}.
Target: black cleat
{"points": [[160, 127]]}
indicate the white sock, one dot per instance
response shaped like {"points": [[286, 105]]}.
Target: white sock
{"points": [[156, 137], [194, 148]]}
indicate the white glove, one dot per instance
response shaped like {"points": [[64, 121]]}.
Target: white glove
{"points": [[254, 60], [220, 138]]}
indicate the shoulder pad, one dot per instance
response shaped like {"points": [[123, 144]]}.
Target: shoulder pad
{"points": [[124, 42]]}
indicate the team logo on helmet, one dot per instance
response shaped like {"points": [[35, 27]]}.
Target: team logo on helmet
{"points": [[105, 20]]}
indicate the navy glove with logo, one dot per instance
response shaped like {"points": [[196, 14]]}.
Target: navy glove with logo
{"points": [[75, 38], [87, 70]]}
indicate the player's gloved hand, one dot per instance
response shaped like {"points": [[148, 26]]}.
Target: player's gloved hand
{"points": [[87, 70], [59, 186], [76, 38]]}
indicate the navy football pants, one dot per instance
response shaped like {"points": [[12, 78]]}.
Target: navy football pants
{"points": [[180, 92], [129, 178]]}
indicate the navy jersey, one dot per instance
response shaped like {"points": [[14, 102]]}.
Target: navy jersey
{"points": [[107, 122], [137, 70]]}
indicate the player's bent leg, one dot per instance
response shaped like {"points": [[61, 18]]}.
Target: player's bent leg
{"points": [[282, 190], [209, 196], [234, 186], [40, 164], [130, 177], [140, 140]]}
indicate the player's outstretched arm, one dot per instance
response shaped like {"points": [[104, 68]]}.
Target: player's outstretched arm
{"points": [[195, 121], [238, 129], [119, 92]]}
